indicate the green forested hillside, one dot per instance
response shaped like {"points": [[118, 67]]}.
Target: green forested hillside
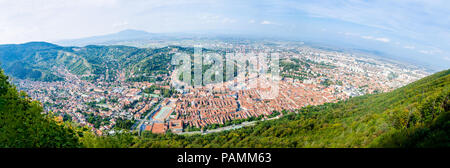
{"points": [[23, 125], [416, 115], [40, 60]]}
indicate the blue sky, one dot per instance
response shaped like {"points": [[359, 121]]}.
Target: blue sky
{"points": [[412, 29]]}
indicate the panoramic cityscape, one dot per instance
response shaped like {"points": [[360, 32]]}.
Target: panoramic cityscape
{"points": [[225, 83]]}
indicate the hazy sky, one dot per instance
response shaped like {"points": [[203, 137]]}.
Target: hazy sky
{"points": [[416, 28]]}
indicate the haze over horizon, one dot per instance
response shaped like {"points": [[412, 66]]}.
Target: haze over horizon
{"points": [[416, 30]]}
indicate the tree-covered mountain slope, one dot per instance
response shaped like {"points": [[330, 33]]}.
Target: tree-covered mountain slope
{"points": [[416, 115]]}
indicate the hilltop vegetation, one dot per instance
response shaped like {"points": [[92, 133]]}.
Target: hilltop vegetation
{"points": [[416, 115], [23, 125], [41, 61]]}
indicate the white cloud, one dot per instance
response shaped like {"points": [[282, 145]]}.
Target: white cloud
{"points": [[380, 39], [121, 25], [265, 22], [53, 20], [349, 34], [228, 20]]}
